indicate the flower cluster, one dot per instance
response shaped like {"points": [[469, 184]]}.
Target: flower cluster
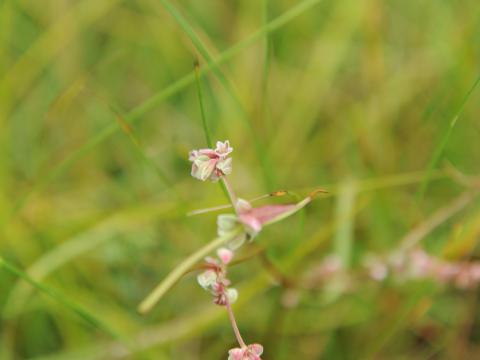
{"points": [[250, 352], [215, 280], [211, 164]]}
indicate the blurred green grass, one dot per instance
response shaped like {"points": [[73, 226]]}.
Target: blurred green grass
{"points": [[355, 97]]}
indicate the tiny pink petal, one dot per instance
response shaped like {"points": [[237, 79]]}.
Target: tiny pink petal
{"points": [[212, 154], [251, 221], [269, 212], [235, 354], [256, 349], [256, 217], [225, 255], [223, 149]]}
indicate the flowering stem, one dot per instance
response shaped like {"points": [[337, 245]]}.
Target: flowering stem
{"points": [[181, 269], [234, 324], [231, 193]]}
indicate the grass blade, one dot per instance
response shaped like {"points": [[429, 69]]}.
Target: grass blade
{"points": [[87, 240], [206, 128], [60, 298], [437, 155]]}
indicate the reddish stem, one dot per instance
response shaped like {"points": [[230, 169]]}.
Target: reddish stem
{"points": [[234, 324]]}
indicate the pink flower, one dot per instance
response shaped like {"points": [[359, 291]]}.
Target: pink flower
{"points": [[251, 352], [211, 164], [421, 264]]}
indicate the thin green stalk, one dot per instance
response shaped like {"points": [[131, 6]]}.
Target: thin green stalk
{"points": [[206, 128], [437, 155], [266, 64]]}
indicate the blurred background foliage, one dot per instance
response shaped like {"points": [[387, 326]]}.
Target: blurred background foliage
{"points": [[356, 97]]}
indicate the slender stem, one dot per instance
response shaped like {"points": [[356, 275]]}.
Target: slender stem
{"points": [[231, 193], [222, 207], [234, 324]]}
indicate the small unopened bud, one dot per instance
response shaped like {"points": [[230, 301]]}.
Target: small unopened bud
{"points": [[225, 255], [232, 295]]}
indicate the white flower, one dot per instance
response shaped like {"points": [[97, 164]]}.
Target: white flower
{"points": [[207, 279]]}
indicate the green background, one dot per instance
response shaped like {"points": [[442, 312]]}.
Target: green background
{"points": [[370, 100]]}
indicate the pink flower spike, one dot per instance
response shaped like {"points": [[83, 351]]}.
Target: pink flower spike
{"points": [[225, 255]]}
